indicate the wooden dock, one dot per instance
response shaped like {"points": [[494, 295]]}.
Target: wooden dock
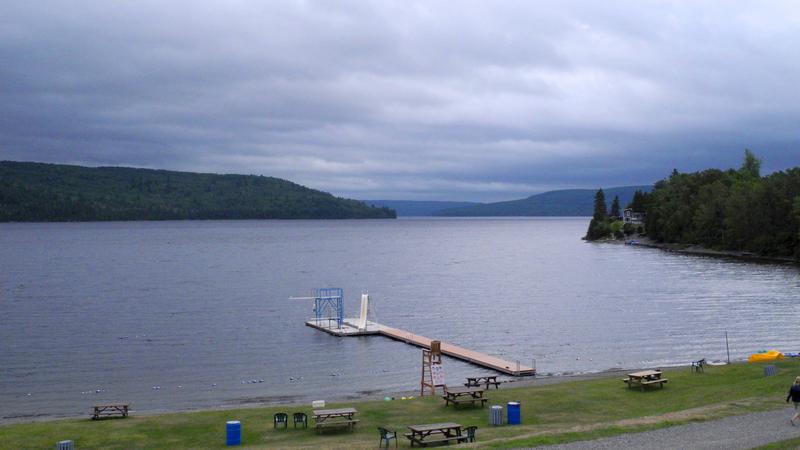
{"points": [[454, 351]]}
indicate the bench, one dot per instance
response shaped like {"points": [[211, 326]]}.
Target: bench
{"points": [[349, 423], [434, 440], [486, 380], [496, 384], [120, 409], [458, 401], [642, 383]]}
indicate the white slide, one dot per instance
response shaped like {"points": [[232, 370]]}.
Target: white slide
{"points": [[362, 319]]}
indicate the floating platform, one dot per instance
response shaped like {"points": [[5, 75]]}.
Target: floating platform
{"points": [[373, 328]]}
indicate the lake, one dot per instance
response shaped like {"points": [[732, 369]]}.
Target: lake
{"points": [[183, 315]]}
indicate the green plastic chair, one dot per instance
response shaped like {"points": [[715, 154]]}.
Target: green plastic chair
{"points": [[300, 417], [386, 435], [280, 418], [470, 434]]}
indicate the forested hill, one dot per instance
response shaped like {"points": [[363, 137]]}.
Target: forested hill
{"points": [[35, 192], [417, 208], [735, 210], [566, 202]]}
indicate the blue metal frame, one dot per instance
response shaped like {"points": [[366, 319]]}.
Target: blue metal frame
{"points": [[329, 305]]}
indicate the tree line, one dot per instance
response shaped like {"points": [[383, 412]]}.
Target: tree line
{"points": [[735, 209], [52, 192]]}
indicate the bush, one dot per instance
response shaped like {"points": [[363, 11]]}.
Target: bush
{"points": [[628, 229]]}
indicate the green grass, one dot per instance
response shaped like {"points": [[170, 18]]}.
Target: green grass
{"points": [[790, 444], [551, 413]]}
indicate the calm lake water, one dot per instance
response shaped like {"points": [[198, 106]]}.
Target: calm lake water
{"points": [[197, 308]]}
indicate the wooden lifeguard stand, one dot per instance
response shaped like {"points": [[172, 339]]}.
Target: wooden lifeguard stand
{"points": [[432, 375]]}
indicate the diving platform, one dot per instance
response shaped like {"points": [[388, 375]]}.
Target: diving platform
{"points": [[350, 327]]}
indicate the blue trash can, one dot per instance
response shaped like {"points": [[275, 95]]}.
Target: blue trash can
{"points": [[234, 429], [513, 413]]}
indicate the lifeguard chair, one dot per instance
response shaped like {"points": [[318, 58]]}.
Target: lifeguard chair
{"points": [[432, 373]]}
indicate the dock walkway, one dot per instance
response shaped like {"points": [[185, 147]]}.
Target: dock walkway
{"points": [[454, 351]]}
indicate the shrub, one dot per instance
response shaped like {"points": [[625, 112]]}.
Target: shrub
{"points": [[628, 229]]}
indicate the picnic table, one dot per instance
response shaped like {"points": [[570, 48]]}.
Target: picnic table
{"points": [[434, 433], [461, 395], [119, 409], [645, 378], [487, 380], [341, 417]]}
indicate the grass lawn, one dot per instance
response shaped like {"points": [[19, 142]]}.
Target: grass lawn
{"points": [[551, 413], [790, 444]]}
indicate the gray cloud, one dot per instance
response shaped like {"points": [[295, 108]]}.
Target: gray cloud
{"points": [[429, 100]]}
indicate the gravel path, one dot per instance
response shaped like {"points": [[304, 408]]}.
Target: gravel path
{"points": [[737, 432]]}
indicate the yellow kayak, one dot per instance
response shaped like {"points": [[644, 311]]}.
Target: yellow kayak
{"points": [[771, 355]]}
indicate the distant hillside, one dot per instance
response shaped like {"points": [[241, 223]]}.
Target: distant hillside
{"points": [[567, 202], [417, 208], [35, 192]]}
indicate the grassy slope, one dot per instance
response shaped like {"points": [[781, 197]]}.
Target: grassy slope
{"points": [[551, 413]]}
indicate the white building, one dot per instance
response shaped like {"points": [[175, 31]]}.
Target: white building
{"points": [[633, 218]]}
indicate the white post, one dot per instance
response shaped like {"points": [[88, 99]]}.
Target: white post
{"points": [[362, 319]]}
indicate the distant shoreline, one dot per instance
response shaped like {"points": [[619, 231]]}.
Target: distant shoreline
{"points": [[697, 250]]}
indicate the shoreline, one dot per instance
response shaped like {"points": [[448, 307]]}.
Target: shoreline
{"points": [[697, 250], [557, 411], [355, 397]]}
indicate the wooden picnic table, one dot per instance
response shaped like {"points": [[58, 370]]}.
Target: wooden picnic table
{"points": [[434, 433], [119, 409], [341, 417], [486, 380], [645, 378], [460, 395]]}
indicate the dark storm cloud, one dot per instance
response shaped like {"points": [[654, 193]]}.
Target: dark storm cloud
{"points": [[450, 100]]}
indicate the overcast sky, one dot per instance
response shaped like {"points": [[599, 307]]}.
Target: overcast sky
{"points": [[455, 100]]}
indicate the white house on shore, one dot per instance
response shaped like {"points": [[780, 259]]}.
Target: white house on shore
{"points": [[633, 218]]}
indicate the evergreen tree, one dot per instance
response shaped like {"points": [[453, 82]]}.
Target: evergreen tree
{"points": [[598, 226], [637, 204], [751, 166], [600, 211], [615, 207]]}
